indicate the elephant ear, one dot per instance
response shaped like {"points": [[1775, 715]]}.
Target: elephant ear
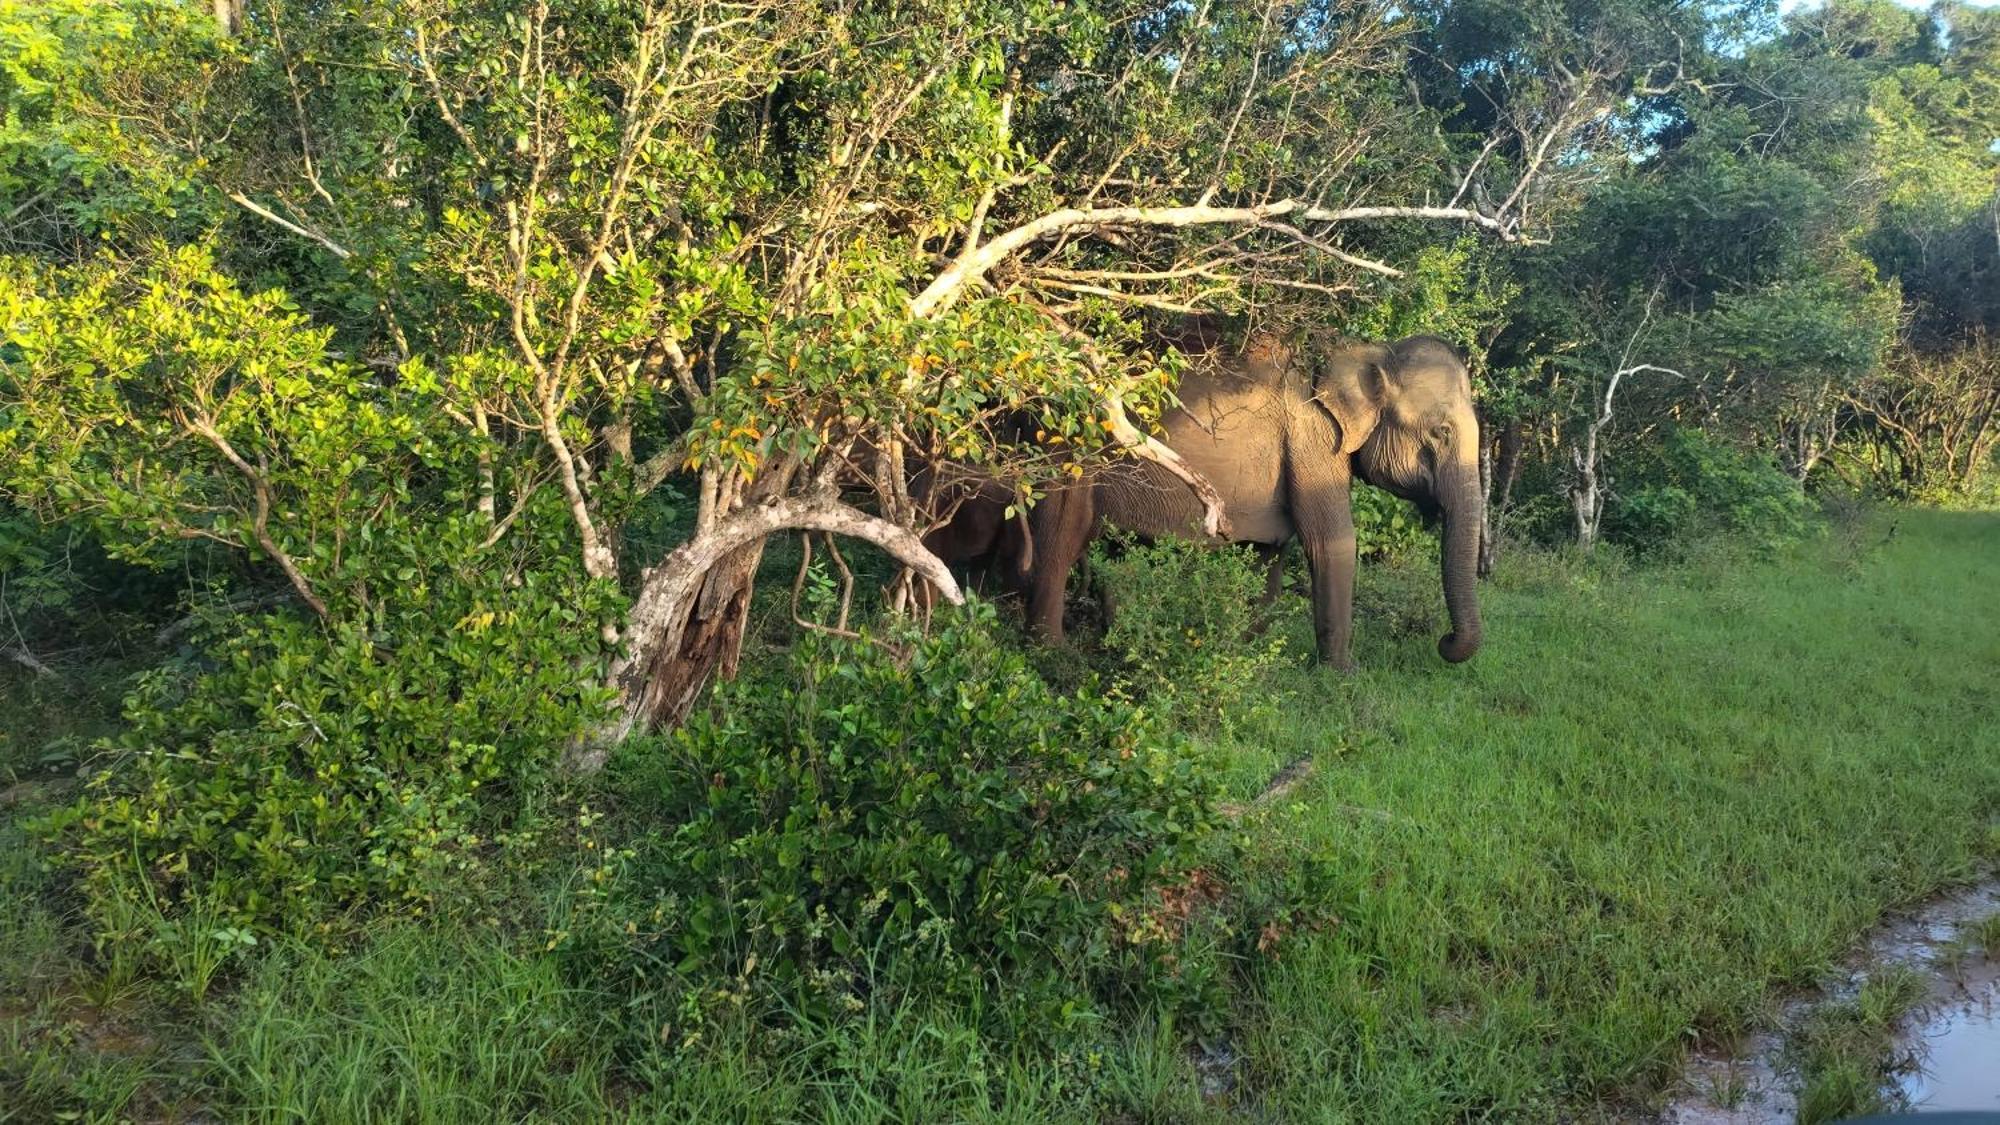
{"points": [[1352, 383]]}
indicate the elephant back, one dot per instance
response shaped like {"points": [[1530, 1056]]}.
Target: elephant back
{"points": [[1230, 428]]}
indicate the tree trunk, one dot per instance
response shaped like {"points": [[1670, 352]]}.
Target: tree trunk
{"points": [[1586, 493], [686, 625], [1811, 433], [1588, 505], [710, 642], [1981, 447], [1506, 470]]}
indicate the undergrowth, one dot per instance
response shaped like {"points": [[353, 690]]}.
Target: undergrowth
{"points": [[1516, 889]]}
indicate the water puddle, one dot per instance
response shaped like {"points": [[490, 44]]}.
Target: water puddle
{"points": [[1951, 1042], [1958, 1047]]}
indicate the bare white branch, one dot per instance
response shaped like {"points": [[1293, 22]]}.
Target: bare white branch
{"points": [[245, 202], [946, 287]]}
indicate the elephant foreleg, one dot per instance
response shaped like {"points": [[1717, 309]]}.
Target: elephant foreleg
{"points": [[1063, 524], [1324, 515], [1273, 558], [1274, 572]]}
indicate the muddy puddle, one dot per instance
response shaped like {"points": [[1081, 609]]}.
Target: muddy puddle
{"points": [[1958, 1048], [1948, 1048]]}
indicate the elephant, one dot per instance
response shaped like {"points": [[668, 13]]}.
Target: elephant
{"points": [[1281, 437], [978, 533]]}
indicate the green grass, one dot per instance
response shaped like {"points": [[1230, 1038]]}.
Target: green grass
{"points": [[1657, 796], [1661, 798], [417, 1026], [1842, 1052]]}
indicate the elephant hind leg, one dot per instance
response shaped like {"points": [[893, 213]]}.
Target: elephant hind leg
{"points": [[1273, 558]]}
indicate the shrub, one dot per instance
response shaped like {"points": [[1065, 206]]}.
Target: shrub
{"points": [[1184, 627], [878, 821], [1694, 485], [1387, 528], [311, 771]]}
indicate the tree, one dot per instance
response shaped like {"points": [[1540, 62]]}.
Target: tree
{"points": [[730, 257], [1931, 420]]}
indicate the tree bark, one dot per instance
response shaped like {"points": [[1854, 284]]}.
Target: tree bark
{"points": [[1506, 471], [1588, 493], [228, 16], [686, 625]]}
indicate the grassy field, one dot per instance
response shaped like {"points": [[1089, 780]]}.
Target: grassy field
{"points": [[1657, 797], [1661, 797]]}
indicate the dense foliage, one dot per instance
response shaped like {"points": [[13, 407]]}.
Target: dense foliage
{"points": [[1694, 488], [1187, 627], [303, 776], [387, 323], [1797, 260], [904, 817]]}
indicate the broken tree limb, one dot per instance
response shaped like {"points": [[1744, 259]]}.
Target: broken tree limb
{"points": [[667, 593], [1214, 520], [30, 661]]}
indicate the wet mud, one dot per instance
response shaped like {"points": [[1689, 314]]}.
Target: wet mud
{"points": [[1947, 1052]]}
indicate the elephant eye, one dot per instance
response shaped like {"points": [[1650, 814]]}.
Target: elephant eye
{"points": [[1442, 431]]}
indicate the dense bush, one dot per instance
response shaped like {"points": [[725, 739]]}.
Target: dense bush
{"points": [[1386, 527], [1692, 485], [309, 771], [421, 659], [907, 816], [1184, 625]]}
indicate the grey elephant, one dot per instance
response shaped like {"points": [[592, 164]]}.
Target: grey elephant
{"points": [[1282, 437]]}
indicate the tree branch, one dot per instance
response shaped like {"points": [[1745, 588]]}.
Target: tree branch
{"points": [[1332, 251], [245, 202], [260, 519], [659, 614], [32, 663], [1214, 519], [947, 285]]}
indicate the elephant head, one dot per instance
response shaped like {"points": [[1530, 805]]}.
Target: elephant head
{"points": [[1406, 416]]}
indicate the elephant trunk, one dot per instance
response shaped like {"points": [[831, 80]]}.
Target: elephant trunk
{"points": [[1458, 558]]}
